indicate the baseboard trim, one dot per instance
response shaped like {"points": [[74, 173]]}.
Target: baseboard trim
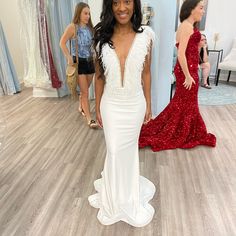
{"points": [[42, 92]]}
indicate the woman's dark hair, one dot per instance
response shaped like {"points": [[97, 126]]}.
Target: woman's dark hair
{"points": [[201, 55], [186, 9], [105, 28]]}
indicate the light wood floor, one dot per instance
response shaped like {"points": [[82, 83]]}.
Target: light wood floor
{"points": [[49, 159]]}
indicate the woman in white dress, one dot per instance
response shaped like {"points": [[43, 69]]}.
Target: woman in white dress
{"points": [[123, 103]]}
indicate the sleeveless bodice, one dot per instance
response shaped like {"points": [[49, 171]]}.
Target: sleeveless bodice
{"points": [[133, 65], [192, 53], [85, 40]]}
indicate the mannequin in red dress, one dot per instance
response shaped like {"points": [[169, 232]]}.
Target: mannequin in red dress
{"points": [[180, 124]]}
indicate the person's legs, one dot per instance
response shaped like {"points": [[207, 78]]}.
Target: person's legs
{"points": [[80, 103], [205, 73], [84, 83], [84, 90], [86, 72], [89, 79]]}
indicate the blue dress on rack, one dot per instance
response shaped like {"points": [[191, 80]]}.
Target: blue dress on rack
{"points": [[9, 83]]}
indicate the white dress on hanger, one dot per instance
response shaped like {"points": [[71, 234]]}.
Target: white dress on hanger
{"points": [[35, 73], [123, 194]]}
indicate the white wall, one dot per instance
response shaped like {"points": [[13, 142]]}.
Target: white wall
{"points": [[163, 24], [96, 9], [221, 18], [10, 22]]}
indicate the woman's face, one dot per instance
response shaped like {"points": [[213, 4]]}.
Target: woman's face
{"points": [[198, 12], [85, 15], [203, 41], [123, 10]]}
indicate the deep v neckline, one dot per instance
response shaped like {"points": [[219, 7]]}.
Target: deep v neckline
{"points": [[122, 75]]}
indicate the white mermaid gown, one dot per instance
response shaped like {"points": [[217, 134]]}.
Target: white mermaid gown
{"points": [[122, 194]]}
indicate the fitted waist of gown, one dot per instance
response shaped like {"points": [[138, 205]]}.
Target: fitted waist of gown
{"points": [[122, 92], [191, 67]]}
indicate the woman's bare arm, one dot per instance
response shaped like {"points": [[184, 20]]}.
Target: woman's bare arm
{"points": [[99, 86], [205, 56], [146, 78], [67, 35], [183, 34]]}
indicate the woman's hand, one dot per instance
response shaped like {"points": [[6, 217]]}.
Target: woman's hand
{"points": [[148, 115], [189, 82], [205, 47], [70, 60], [99, 119]]}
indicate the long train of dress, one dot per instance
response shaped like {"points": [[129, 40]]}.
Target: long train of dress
{"points": [[120, 177], [180, 124]]}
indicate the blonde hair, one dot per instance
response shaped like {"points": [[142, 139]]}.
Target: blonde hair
{"points": [[78, 9]]}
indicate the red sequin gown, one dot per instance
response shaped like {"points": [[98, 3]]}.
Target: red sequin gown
{"points": [[180, 124]]}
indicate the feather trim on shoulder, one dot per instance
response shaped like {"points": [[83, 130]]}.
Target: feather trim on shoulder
{"points": [[150, 33]]}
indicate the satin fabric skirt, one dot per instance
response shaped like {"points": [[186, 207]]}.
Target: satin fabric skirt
{"points": [[122, 194]]}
